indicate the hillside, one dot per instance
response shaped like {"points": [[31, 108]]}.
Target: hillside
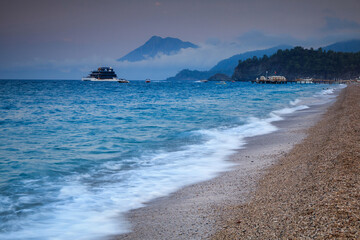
{"points": [[346, 46], [187, 74], [228, 65], [157, 45], [225, 66], [299, 63]]}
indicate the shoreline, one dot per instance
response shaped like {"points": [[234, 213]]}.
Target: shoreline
{"points": [[313, 192], [197, 211]]}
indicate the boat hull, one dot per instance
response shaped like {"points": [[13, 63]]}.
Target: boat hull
{"points": [[120, 80]]}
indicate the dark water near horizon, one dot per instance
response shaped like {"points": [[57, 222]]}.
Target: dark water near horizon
{"points": [[75, 156]]}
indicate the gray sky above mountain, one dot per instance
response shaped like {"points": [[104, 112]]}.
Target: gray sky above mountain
{"points": [[66, 39]]}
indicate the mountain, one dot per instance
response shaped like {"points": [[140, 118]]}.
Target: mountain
{"points": [[346, 46], [228, 65], [157, 45], [187, 74], [220, 77], [225, 66], [299, 63]]}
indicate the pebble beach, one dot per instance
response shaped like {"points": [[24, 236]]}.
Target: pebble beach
{"points": [[314, 191], [301, 181]]}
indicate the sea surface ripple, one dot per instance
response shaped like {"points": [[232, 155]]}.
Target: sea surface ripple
{"points": [[75, 156]]}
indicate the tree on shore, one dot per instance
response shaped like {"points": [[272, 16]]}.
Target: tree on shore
{"points": [[300, 63]]}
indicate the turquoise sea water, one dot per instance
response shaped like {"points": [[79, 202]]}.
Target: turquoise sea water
{"points": [[75, 156]]}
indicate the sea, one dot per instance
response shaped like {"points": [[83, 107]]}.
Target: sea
{"points": [[76, 156]]}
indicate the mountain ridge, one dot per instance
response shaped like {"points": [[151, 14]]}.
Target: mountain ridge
{"points": [[157, 45], [345, 46], [224, 66], [301, 63], [230, 63]]}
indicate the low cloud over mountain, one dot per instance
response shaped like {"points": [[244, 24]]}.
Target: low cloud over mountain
{"points": [[157, 46]]}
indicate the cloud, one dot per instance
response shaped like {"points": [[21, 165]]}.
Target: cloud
{"points": [[255, 40], [160, 67], [213, 41], [336, 24], [163, 66]]}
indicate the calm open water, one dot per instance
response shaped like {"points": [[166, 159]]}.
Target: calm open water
{"points": [[75, 156]]}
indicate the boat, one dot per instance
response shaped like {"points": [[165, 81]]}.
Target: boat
{"points": [[104, 74], [147, 80], [121, 80], [222, 82]]}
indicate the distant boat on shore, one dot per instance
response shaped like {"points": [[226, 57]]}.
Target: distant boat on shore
{"points": [[104, 74], [222, 82]]}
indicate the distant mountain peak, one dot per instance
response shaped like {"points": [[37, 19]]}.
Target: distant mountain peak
{"points": [[157, 45], [345, 46]]}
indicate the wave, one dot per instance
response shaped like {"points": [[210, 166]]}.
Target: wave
{"points": [[89, 209], [295, 102], [331, 90], [290, 110]]}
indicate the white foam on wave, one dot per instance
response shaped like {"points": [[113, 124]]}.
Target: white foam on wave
{"points": [[327, 91], [290, 110], [322, 97], [295, 102], [325, 95], [87, 209], [90, 210], [331, 90]]}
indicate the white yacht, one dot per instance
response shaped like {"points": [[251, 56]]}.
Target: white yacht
{"points": [[104, 74]]}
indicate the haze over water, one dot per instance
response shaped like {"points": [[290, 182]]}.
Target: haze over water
{"points": [[77, 155]]}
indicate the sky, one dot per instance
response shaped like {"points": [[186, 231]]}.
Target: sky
{"points": [[65, 39]]}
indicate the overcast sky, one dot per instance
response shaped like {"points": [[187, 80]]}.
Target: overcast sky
{"points": [[66, 39]]}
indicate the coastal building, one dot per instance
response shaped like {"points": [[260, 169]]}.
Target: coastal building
{"points": [[271, 79], [277, 79], [304, 80]]}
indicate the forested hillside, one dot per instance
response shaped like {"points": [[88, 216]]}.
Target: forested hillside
{"points": [[299, 63]]}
